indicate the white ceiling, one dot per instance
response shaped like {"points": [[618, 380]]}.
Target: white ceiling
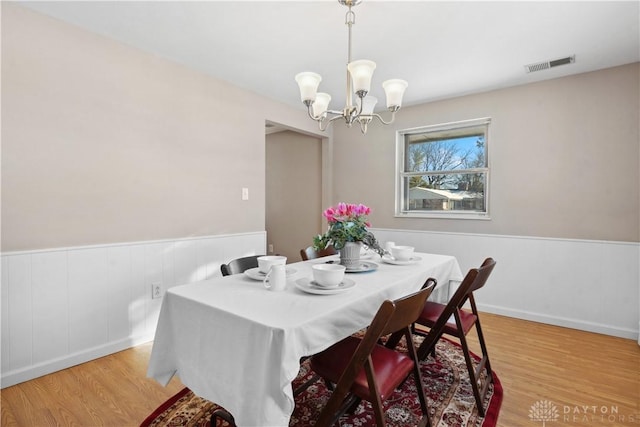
{"points": [[443, 49]]}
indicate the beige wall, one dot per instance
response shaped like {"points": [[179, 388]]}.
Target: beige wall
{"points": [[564, 158], [104, 143], [294, 189]]}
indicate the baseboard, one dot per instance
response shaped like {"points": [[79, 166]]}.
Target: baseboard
{"points": [[561, 321], [34, 371]]}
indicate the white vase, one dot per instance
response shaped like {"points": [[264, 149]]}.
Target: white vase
{"points": [[350, 254]]}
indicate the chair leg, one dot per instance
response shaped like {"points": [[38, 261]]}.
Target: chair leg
{"points": [[224, 415], [485, 353], [428, 346], [305, 385], [375, 400], [339, 402], [424, 422], [484, 362], [419, 384], [472, 375], [353, 405]]}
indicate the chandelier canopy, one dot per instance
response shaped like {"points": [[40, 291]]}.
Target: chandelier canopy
{"points": [[359, 74]]}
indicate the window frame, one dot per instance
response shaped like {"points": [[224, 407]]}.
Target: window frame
{"points": [[400, 174]]}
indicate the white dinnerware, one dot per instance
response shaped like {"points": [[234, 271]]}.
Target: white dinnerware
{"points": [[363, 267], [276, 278], [402, 253], [328, 275], [256, 274], [307, 285], [388, 246], [265, 262], [391, 260]]}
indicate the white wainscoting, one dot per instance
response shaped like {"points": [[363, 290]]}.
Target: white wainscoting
{"points": [[65, 306], [581, 284]]}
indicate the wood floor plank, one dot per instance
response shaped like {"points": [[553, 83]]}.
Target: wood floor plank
{"points": [[534, 362]]}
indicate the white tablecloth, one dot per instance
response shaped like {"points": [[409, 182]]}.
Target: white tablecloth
{"points": [[235, 343]]}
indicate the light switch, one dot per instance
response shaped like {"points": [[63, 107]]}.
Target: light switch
{"points": [[245, 194]]}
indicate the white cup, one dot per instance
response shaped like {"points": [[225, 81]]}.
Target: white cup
{"points": [[266, 262], [276, 278], [328, 275], [402, 253], [388, 246]]}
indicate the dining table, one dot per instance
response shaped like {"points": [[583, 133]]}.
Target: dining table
{"points": [[235, 343]]}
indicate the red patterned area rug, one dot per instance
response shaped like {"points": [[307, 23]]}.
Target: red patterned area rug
{"points": [[446, 381]]}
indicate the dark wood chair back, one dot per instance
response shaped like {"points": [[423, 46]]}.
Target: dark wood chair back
{"points": [[239, 265], [393, 317], [311, 253], [474, 280], [437, 317]]}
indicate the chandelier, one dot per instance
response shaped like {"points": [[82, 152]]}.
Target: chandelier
{"points": [[359, 74]]}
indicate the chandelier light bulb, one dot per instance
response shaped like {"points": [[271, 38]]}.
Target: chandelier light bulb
{"points": [[368, 105], [394, 90], [321, 104], [361, 72], [308, 83]]}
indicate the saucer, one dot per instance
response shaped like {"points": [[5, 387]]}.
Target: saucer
{"points": [[390, 260], [363, 267], [307, 284], [256, 274]]}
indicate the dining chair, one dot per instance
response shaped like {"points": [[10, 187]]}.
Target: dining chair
{"points": [[451, 319], [311, 253], [239, 265], [364, 369]]}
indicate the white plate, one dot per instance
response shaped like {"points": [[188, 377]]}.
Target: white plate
{"points": [[391, 260], [256, 274], [306, 284]]}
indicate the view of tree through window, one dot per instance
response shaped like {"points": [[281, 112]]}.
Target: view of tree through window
{"points": [[444, 169]]}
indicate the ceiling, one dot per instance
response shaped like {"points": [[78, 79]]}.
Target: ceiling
{"points": [[443, 49]]}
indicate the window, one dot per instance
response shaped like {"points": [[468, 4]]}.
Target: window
{"points": [[443, 171]]}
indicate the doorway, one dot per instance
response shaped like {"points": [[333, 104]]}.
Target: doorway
{"points": [[293, 191]]}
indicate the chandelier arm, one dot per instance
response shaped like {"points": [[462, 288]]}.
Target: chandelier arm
{"points": [[320, 118], [309, 112], [361, 95], [379, 117], [326, 122], [336, 118]]}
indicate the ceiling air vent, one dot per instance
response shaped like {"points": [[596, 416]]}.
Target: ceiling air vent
{"points": [[539, 66]]}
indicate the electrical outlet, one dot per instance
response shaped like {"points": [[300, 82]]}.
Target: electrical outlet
{"points": [[270, 248], [245, 193], [156, 290]]}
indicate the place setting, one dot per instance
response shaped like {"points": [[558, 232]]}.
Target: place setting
{"points": [[327, 279], [400, 255], [264, 266]]}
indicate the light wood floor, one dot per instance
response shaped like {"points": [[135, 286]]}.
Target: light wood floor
{"points": [[576, 371]]}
